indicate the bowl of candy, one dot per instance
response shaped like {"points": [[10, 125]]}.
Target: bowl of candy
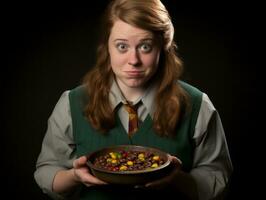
{"points": [[128, 164]]}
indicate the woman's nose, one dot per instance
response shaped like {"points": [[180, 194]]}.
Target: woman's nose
{"points": [[134, 58]]}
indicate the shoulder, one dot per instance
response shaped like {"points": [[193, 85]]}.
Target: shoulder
{"points": [[202, 106], [61, 111], [194, 94], [198, 95], [78, 97], [190, 89], [63, 101], [79, 90], [207, 105]]}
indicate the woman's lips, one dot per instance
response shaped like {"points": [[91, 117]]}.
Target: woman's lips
{"points": [[135, 73]]}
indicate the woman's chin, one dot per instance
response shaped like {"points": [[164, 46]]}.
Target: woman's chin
{"points": [[135, 84]]}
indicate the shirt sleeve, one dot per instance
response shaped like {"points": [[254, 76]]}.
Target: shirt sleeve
{"points": [[212, 165], [57, 152]]}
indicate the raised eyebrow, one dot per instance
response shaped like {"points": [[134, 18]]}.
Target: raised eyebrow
{"points": [[142, 40], [123, 40], [147, 40]]}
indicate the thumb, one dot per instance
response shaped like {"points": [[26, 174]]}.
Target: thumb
{"points": [[81, 161], [176, 161]]}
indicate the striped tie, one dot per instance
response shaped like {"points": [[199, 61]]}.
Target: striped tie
{"points": [[133, 118]]}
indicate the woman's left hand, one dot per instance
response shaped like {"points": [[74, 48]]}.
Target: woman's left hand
{"points": [[176, 180], [170, 178]]}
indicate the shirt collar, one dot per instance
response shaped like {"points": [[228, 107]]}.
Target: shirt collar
{"points": [[147, 99], [115, 95]]}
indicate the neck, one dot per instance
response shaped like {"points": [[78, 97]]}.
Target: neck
{"points": [[131, 94]]}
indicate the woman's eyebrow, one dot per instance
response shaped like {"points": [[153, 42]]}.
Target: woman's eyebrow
{"points": [[146, 39], [118, 39], [141, 40]]}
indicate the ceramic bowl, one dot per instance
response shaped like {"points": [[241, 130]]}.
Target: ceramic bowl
{"points": [[133, 177]]}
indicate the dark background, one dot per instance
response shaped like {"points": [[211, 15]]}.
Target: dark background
{"points": [[48, 48]]}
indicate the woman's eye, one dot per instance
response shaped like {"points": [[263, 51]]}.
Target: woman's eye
{"points": [[122, 47], [146, 48]]}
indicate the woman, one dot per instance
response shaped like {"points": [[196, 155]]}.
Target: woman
{"points": [[136, 65]]}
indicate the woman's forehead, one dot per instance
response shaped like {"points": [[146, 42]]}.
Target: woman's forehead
{"points": [[124, 31]]}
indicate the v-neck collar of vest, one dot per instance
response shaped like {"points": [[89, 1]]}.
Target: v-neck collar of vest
{"points": [[143, 128]]}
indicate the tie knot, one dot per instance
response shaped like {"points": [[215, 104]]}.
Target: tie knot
{"points": [[130, 108], [132, 117]]}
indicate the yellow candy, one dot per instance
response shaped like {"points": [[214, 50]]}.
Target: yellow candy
{"points": [[141, 155], [156, 158], [129, 163], [113, 155], [123, 168], [154, 165], [114, 161]]}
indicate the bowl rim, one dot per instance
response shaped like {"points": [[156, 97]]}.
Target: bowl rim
{"points": [[92, 166]]}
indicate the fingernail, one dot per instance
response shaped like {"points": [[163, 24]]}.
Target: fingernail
{"points": [[139, 186], [147, 185]]}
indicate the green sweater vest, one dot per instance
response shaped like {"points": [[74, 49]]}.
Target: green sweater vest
{"points": [[88, 139]]}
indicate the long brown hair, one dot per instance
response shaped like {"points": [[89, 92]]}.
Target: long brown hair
{"points": [[170, 99]]}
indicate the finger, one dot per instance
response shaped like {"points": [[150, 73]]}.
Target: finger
{"points": [[80, 162], [158, 184], [139, 186], [163, 182], [175, 160], [92, 180]]}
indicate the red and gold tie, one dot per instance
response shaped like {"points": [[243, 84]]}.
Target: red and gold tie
{"points": [[133, 118]]}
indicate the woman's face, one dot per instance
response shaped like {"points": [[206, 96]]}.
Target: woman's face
{"points": [[134, 55]]}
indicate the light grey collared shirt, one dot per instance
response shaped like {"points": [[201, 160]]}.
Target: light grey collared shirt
{"points": [[212, 165]]}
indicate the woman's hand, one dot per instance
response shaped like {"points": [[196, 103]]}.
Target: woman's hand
{"points": [[177, 180], [67, 180], [82, 173], [169, 179]]}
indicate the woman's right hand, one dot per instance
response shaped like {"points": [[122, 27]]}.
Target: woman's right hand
{"points": [[82, 173]]}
